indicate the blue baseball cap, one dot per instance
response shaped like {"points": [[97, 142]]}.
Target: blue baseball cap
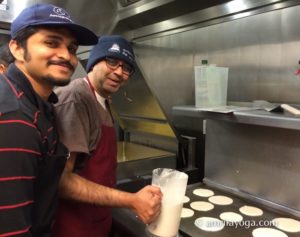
{"points": [[114, 46], [47, 14]]}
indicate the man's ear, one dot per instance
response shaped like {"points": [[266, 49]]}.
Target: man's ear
{"points": [[16, 50], [2, 68]]}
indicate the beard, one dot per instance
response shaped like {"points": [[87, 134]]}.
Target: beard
{"points": [[59, 81], [54, 82]]}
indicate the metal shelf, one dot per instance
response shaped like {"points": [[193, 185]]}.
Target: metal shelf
{"points": [[248, 116]]}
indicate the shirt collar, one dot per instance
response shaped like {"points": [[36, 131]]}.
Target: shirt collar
{"points": [[18, 78], [100, 99]]}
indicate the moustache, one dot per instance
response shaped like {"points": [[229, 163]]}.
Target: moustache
{"points": [[62, 63]]}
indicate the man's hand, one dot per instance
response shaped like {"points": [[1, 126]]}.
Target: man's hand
{"points": [[147, 203]]}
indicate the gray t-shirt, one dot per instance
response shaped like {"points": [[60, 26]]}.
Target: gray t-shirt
{"points": [[79, 117]]}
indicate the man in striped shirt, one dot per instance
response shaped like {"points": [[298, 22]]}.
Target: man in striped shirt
{"points": [[44, 43]]}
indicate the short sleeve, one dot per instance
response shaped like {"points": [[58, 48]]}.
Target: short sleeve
{"points": [[73, 126]]}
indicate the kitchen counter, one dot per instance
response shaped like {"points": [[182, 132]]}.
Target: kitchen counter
{"points": [[247, 116]]}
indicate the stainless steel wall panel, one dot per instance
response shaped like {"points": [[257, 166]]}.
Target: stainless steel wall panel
{"points": [[257, 160], [260, 51], [165, 64], [138, 110]]}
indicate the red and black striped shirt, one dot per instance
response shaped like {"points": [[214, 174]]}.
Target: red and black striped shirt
{"points": [[31, 158]]}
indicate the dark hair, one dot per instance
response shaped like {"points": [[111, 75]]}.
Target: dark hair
{"points": [[6, 57], [24, 34]]}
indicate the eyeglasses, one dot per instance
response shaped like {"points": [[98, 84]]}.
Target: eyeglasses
{"points": [[113, 64]]}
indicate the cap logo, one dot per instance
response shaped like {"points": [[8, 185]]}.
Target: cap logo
{"points": [[114, 48], [60, 13]]}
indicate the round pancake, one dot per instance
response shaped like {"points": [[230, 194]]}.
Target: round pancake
{"points": [[220, 200], [203, 192], [267, 232], [251, 211], [186, 199], [202, 206], [209, 224], [186, 212], [287, 224], [231, 217]]}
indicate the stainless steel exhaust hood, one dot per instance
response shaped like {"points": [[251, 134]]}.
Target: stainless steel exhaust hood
{"points": [[112, 16], [145, 13], [98, 15]]}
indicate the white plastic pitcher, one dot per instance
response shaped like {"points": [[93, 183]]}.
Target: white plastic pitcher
{"points": [[173, 186]]}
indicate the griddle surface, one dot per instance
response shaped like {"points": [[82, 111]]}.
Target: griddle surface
{"points": [[187, 227]]}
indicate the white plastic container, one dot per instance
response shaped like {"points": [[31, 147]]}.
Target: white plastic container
{"points": [[173, 186], [210, 86]]}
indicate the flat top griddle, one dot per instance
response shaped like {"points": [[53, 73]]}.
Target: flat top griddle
{"points": [[187, 227]]}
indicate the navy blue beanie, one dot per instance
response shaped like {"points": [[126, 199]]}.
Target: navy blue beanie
{"points": [[114, 46]]}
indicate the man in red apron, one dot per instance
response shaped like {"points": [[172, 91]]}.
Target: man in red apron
{"points": [[86, 127]]}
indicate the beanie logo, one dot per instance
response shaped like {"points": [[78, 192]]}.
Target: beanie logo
{"points": [[114, 48], [128, 54]]}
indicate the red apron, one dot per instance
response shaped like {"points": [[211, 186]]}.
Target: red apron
{"points": [[85, 220]]}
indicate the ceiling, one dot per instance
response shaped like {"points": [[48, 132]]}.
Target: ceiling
{"points": [[134, 18], [109, 16]]}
